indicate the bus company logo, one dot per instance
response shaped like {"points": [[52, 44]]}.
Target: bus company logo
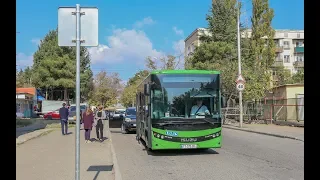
{"points": [[189, 139], [170, 133]]}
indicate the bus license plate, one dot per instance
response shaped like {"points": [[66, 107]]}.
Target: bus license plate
{"points": [[134, 125], [189, 146]]}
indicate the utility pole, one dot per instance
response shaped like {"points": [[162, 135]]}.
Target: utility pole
{"points": [[239, 65]]}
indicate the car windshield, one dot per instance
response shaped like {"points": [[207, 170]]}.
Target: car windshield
{"points": [[131, 112], [188, 96], [73, 108]]}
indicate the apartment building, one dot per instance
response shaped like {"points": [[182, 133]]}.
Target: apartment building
{"points": [[289, 51]]}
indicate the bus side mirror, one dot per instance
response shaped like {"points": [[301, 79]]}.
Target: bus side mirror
{"points": [[146, 89]]}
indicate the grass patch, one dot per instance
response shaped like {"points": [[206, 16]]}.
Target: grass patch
{"points": [[57, 125], [24, 122]]}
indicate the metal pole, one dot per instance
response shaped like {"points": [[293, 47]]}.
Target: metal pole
{"points": [[239, 63], [78, 92]]}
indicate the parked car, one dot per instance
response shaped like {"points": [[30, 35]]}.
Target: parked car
{"points": [[52, 115], [72, 112], [119, 114], [129, 120], [116, 118]]}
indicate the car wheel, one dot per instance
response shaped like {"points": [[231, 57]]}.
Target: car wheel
{"points": [[123, 129]]}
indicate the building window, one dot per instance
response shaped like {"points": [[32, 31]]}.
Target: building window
{"points": [[299, 58], [287, 58], [286, 43]]}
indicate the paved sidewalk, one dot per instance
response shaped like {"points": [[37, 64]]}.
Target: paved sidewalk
{"points": [[52, 157], [296, 133]]}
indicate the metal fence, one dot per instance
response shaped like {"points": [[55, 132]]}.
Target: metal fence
{"points": [[284, 109], [267, 110]]}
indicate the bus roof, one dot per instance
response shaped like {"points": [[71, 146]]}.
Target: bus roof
{"points": [[184, 72]]}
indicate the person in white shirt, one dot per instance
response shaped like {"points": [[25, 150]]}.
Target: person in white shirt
{"points": [[199, 109]]}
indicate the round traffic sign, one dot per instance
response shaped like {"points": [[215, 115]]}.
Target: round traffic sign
{"points": [[240, 86]]}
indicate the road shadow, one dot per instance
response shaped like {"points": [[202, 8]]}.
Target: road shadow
{"points": [[69, 133], [96, 140], [100, 168], [177, 152], [118, 131], [181, 152]]}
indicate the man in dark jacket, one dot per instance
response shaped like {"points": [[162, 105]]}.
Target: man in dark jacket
{"points": [[64, 113]]}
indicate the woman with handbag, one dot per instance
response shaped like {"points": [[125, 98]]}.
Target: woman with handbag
{"points": [[88, 121]]}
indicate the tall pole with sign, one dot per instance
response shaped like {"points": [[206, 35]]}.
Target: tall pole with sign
{"points": [[239, 68], [77, 27]]}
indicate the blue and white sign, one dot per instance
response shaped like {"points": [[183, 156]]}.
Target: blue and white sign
{"points": [[171, 133]]}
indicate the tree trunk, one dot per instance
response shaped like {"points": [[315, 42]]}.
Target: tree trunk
{"points": [[51, 94], [65, 96], [46, 93]]}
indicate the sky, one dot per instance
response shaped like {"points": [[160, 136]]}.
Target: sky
{"points": [[129, 31]]}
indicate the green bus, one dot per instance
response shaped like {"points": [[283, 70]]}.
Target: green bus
{"points": [[179, 109]]}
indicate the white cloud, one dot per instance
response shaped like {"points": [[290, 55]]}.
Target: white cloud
{"points": [[178, 31], [123, 44], [23, 60], [36, 41], [145, 21], [178, 47]]}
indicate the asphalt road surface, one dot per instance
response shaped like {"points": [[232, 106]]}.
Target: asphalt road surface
{"points": [[244, 156]]}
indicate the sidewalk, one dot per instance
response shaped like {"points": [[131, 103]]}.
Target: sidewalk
{"points": [[296, 133], [52, 157]]}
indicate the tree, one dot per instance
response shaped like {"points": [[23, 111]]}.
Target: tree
{"points": [[55, 67], [298, 77], [261, 53], [19, 79], [129, 94], [23, 78], [219, 48], [106, 89], [168, 62]]}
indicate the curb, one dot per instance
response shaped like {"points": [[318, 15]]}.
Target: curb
{"points": [[268, 134], [45, 131], [116, 168]]}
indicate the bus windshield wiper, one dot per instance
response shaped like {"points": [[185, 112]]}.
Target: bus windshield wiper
{"points": [[208, 121]]}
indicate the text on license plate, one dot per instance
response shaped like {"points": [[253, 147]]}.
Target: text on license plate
{"points": [[189, 146]]}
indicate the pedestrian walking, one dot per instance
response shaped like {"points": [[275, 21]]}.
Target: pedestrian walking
{"points": [[64, 113], [100, 115], [88, 120]]}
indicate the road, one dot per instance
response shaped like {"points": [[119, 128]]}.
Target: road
{"points": [[244, 156]]}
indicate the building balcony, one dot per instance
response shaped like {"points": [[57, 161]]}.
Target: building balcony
{"points": [[278, 62], [298, 64], [299, 50], [279, 49], [286, 47]]}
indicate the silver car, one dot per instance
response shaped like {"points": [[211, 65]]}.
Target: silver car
{"points": [[72, 112]]}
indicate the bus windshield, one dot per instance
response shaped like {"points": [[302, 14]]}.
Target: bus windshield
{"points": [[185, 96]]}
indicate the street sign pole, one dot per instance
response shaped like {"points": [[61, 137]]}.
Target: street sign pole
{"points": [[239, 64], [78, 43], [78, 27]]}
